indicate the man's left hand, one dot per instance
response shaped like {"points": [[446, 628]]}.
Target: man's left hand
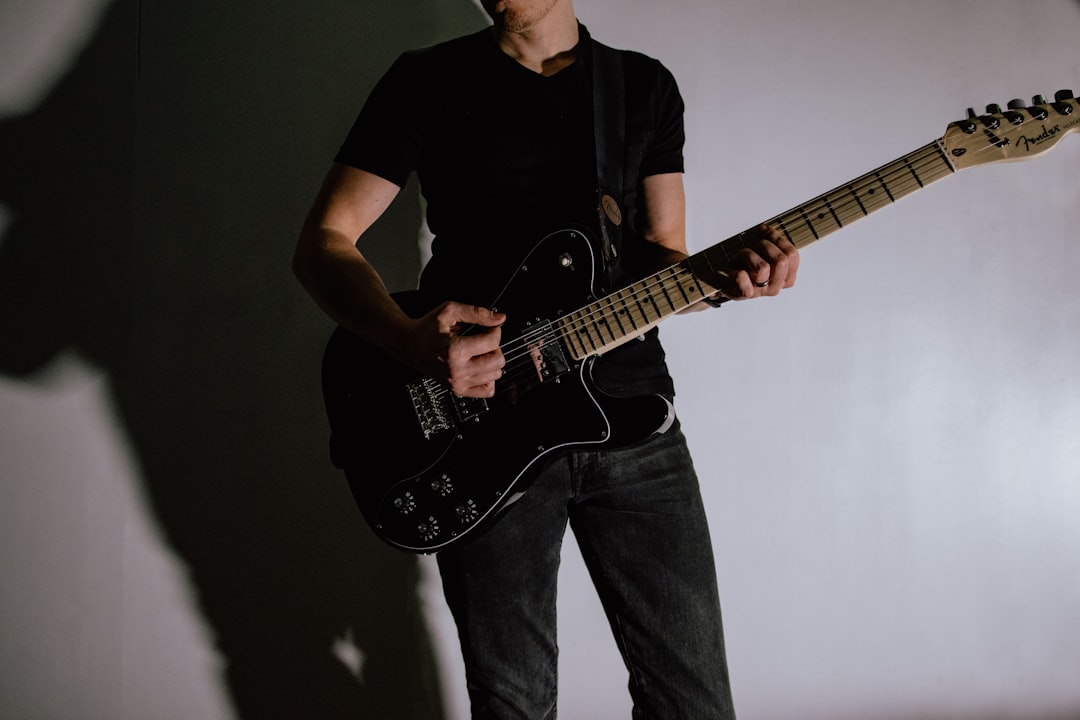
{"points": [[767, 265]]}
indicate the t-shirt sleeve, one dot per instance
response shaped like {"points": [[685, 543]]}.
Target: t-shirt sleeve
{"points": [[385, 138], [665, 152]]}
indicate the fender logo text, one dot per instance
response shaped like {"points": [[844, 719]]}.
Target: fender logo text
{"points": [[1046, 135]]}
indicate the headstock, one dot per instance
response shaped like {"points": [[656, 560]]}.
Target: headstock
{"points": [[1016, 133]]}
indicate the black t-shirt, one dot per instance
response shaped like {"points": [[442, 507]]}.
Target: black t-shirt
{"points": [[505, 155]]}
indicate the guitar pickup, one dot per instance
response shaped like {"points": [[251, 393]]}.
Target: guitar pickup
{"points": [[469, 408], [546, 353]]}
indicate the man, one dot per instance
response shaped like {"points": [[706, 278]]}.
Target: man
{"points": [[499, 128]]}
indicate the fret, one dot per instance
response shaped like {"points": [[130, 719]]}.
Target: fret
{"points": [[680, 286], [645, 301], [628, 310], [729, 248], [667, 296], [826, 222], [702, 268], [618, 314], [739, 240], [613, 318], [797, 229], [913, 173], [640, 313], [584, 334], [945, 167], [649, 309], [938, 163], [872, 200], [601, 324], [846, 211], [690, 286], [684, 279], [809, 223], [633, 306], [832, 211], [722, 247], [570, 338], [785, 228], [859, 202], [881, 181]]}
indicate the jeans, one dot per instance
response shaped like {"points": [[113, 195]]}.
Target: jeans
{"points": [[638, 518]]}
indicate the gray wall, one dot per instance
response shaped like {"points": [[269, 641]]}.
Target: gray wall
{"points": [[890, 452], [175, 541]]}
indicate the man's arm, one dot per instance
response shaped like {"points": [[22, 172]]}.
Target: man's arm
{"points": [[765, 268], [347, 287]]}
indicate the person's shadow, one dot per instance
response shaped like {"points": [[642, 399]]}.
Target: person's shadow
{"points": [[156, 194]]}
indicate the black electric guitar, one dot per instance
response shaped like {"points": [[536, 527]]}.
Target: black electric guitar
{"points": [[429, 468]]}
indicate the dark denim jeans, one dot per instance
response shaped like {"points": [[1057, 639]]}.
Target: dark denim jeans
{"points": [[638, 517]]}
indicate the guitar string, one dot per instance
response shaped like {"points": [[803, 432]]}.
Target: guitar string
{"points": [[922, 162], [927, 163], [915, 170], [825, 206], [898, 179]]}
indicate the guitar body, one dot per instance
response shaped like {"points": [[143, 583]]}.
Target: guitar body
{"points": [[428, 468]]}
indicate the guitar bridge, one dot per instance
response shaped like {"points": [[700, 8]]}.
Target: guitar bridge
{"points": [[430, 404], [436, 408]]}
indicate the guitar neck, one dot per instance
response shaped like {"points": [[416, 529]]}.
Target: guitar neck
{"points": [[869, 193], [633, 310]]}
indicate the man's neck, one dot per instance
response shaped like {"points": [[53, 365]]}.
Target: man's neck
{"points": [[546, 47]]}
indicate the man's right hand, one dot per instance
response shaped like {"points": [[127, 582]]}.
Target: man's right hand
{"points": [[455, 343], [459, 344]]}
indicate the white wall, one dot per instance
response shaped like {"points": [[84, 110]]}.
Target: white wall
{"points": [[890, 452]]}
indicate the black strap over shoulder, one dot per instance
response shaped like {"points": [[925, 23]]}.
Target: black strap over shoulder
{"points": [[609, 124]]}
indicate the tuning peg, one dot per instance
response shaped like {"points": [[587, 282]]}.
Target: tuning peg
{"points": [[993, 108], [1013, 114], [1038, 100], [968, 125], [1060, 105], [1017, 104]]}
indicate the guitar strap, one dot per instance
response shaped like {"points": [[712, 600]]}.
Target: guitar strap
{"points": [[609, 126]]}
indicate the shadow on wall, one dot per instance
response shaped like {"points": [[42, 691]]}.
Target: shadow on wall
{"points": [[156, 195]]}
